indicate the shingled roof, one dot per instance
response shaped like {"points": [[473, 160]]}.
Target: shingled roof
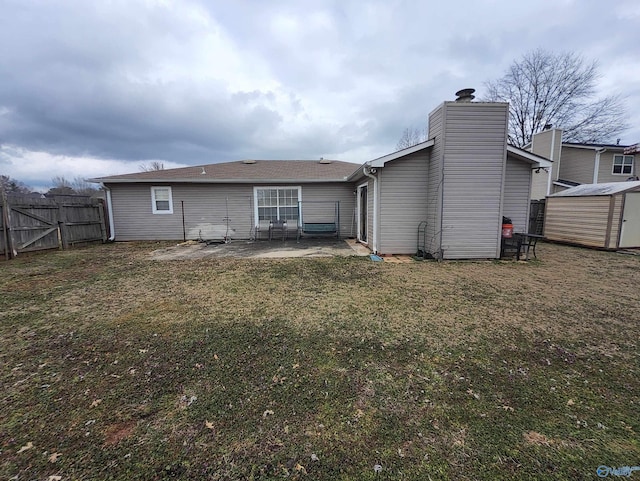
{"points": [[245, 171]]}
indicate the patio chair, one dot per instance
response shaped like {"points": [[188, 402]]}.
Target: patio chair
{"points": [[276, 226]]}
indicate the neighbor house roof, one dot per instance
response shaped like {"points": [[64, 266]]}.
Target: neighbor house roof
{"points": [[245, 171], [566, 183], [608, 188], [578, 145]]}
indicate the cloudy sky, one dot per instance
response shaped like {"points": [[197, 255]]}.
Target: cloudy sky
{"points": [[90, 88]]}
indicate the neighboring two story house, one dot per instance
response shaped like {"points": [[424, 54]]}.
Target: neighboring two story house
{"points": [[575, 163]]}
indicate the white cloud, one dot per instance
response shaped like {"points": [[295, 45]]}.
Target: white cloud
{"points": [[41, 167], [628, 10]]}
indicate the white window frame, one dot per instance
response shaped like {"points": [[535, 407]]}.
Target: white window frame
{"points": [[622, 165], [154, 208], [272, 187]]}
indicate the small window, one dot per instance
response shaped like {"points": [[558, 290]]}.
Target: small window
{"points": [[161, 201], [623, 164]]}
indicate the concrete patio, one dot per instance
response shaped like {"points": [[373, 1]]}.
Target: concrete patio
{"points": [[262, 249]]}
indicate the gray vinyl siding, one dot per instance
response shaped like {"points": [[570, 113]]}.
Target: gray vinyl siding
{"points": [[541, 143], [547, 144], [434, 182], [474, 162], [205, 209], [539, 184], [578, 220], [403, 202], [324, 212], [605, 171], [556, 154], [577, 165], [516, 203]]}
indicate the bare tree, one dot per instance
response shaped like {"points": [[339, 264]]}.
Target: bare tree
{"points": [[82, 187], [152, 166], [77, 186], [410, 137], [61, 186], [545, 88], [10, 185]]}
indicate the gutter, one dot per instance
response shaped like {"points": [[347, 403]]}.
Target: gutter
{"points": [[596, 164], [367, 171], [115, 180], [112, 228]]}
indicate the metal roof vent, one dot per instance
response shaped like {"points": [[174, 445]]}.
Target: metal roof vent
{"points": [[249, 161], [465, 95], [324, 161]]}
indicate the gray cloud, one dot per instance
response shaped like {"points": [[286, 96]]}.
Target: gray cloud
{"points": [[195, 82]]}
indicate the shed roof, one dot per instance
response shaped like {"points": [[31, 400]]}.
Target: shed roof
{"points": [[608, 188], [245, 171]]}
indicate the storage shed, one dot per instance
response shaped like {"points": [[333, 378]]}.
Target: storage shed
{"points": [[605, 216]]}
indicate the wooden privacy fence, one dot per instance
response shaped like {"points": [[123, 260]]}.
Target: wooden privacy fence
{"points": [[32, 223]]}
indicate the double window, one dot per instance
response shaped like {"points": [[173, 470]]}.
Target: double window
{"points": [[161, 200], [623, 164], [276, 203]]}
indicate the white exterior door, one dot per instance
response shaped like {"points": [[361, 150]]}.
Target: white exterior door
{"points": [[630, 232]]}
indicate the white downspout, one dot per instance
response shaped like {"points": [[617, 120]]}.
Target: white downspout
{"points": [[596, 165], [112, 228], [555, 164], [374, 243]]}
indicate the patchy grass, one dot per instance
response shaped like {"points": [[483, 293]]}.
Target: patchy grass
{"points": [[118, 367]]}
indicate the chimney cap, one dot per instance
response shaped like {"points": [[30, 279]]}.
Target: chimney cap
{"points": [[465, 95], [248, 161]]}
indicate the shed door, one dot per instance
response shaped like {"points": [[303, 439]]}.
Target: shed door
{"points": [[630, 232]]}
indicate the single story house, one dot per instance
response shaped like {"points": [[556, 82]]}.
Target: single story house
{"points": [[456, 187]]}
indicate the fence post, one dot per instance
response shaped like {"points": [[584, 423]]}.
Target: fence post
{"points": [[11, 242], [5, 225], [62, 227], [103, 228]]}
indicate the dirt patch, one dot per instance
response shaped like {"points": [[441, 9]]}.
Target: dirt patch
{"points": [[118, 432], [537, 439]]}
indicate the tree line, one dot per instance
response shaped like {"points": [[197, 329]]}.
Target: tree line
{"points": [[60, 185]]}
